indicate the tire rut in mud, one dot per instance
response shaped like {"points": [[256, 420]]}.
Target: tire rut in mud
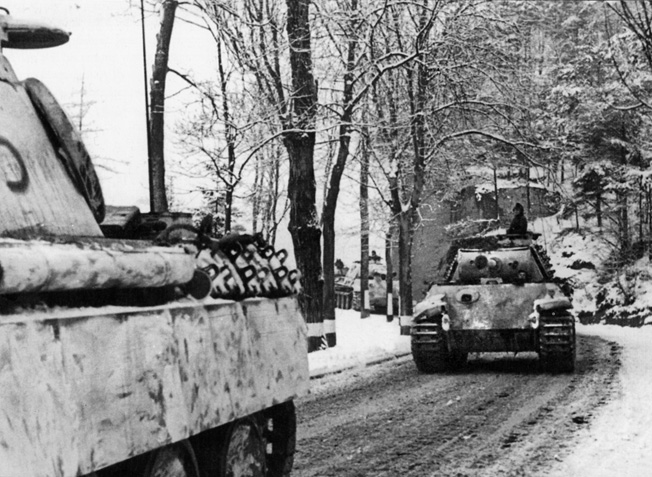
{"points": [[498, 416]]}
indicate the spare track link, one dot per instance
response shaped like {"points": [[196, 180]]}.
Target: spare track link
{"points": [[259, 267], [238, 266], [557, 341], [429, 350]]}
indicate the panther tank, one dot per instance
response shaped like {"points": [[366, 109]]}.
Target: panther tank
{"points": [[498, 295], [130, 343]]}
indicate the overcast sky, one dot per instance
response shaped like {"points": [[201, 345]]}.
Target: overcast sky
{"points": [[105, 52]]}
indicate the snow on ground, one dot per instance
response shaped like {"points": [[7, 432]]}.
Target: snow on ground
{"points": [[360, 342], [619, 442]]}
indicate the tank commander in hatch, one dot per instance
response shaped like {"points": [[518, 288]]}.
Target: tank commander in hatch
{"points": [[519, 222]]}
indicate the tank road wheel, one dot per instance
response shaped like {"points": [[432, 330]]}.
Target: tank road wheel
{"points": [[242, 453], [557, 342], [280, 433], [176, 460], [429, 350]]}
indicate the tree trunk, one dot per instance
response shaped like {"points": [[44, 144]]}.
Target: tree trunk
{"points": [[158, 198], [328, 222], [256, 199], [409, 217], [299, 140], [641, 212], [648, 194], [389, 282], [305, 232], [273, 200], [229, 136], [364, 224], [497, 216], [329, 276], [527, 191], [228, 204], [332, 193], [624, 224], [598, 208], [405, 262]]}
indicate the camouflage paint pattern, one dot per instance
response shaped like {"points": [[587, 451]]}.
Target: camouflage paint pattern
{"points": [[85, 389], [487, 307]]}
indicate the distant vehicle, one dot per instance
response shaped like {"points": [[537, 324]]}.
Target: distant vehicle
{"points": [[498, 295], [131, 344], [348, 288]]}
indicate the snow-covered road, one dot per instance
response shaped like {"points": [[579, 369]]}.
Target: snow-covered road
{"points": [[618, 440]]}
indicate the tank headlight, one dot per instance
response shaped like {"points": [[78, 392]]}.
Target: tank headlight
{"points": [[445, 323], [534, 320]]}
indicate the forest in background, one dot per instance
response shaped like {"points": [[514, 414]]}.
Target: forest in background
{"points": [[408, 99]]}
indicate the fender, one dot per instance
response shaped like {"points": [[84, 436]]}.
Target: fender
{"points": [[74, 155], [547, 305], [432, 310]]}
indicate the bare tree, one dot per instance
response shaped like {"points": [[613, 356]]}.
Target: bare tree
{"points": [[156, 140], [435, 101], [299, 139], [354, 28]]}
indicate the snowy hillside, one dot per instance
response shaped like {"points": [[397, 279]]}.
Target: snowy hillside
{"points": [[601, 295]]}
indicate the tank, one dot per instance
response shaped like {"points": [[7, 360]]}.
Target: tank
{"points": [[498, 295], [130, 343], [347, 289]]}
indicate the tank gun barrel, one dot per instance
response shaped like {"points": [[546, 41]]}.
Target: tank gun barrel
{"points": [[39, 266]]}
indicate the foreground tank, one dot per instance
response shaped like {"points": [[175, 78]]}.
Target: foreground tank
{"points": [[130, 344], [498, 295]]}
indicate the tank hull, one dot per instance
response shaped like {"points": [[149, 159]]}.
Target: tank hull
{"points": [[82, 389], [491, 307]]}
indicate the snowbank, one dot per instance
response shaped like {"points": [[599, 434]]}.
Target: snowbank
{"points": [[360, 342], [619, 442]]}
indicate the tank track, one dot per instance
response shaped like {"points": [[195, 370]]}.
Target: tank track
{"points": [[430, 351], [557, 342]]}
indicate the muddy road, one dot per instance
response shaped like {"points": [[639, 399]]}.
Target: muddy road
{"points": [[499, 416]]}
